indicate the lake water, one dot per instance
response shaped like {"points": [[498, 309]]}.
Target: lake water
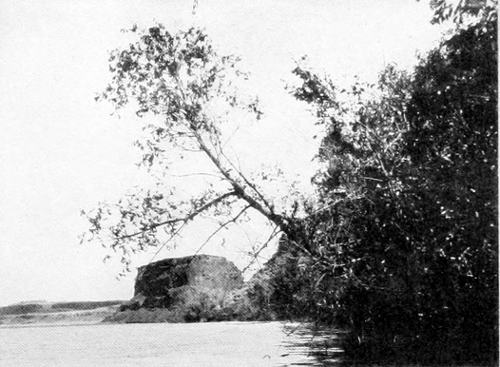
{"points": [[200, 344]]}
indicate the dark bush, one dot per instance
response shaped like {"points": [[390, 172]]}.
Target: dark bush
{"points": [[403, 252]]}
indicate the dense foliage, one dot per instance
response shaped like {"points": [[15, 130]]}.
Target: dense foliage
{"points": [[405, 245]]}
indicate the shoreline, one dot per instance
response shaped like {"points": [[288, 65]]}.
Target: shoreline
{"points": [[92, 316]]}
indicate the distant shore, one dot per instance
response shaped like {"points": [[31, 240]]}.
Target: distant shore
{"points": [[57, 313]]}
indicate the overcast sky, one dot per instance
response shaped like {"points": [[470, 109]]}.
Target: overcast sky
{"points": [[60, 151]]}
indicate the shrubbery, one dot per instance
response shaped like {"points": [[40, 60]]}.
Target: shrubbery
{"points": [[403, 252]]}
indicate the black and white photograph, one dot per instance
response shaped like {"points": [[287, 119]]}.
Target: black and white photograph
{"points": [[270, 183]]}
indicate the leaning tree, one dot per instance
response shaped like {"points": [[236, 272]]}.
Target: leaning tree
{"points": [[190, 96]]}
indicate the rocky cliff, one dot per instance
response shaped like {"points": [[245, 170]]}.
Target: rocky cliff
{"points": [[211, 288], [193, 288]]}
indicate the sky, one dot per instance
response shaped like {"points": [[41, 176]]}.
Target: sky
{"points": [[61, 152]]}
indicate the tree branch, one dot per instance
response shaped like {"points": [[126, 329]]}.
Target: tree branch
{"points": [[183, 219], [264, 245], [251, 185], [239, 190], [223, 225], [167, 241]]}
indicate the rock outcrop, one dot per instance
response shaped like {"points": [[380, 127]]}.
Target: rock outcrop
{"points": [[211, 288], [171, 282], [193, 288]]}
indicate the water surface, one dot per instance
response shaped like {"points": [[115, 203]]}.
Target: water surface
{"points": [[199, 344]]}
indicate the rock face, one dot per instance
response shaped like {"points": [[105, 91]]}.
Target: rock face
{"points": [[160, 281], [210, 288], [193, 288], [200, 288]]}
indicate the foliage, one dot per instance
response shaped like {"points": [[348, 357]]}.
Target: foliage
{"points": [[404, 249], [191, 95], [463, 11]]}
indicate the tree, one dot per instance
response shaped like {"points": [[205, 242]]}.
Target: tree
{"points": [[189, 93], [405, 246]]}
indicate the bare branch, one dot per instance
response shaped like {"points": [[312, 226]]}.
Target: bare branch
{"points": [[167, 241], [223, 225], [183, 219], [256, 254]]}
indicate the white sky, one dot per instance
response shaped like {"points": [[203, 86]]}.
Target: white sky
{"points": [[61, 152]]}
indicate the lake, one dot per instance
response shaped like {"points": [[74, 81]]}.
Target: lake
{"points": [[151, 345]]}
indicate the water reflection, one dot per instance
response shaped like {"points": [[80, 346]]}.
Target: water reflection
{"points": [[312, 346]]}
